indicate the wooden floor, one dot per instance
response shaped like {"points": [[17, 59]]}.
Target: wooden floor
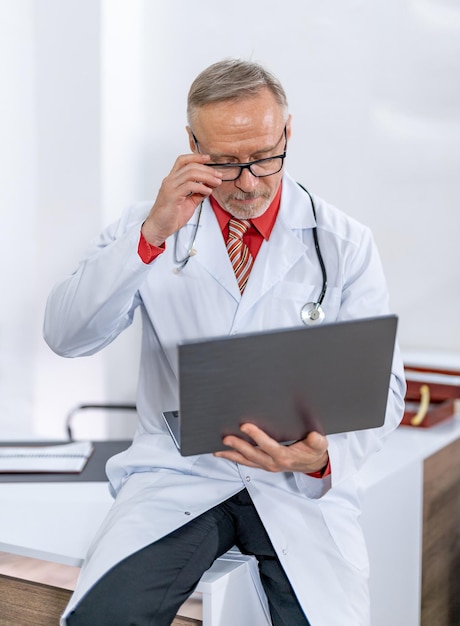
{"points": [[35, 593]]}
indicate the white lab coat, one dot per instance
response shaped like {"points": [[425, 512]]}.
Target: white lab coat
{"points": [[313, 523]]}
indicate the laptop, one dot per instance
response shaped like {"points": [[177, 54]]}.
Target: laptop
{"points": [[331, 378]]}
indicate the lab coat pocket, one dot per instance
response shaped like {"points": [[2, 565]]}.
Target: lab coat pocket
{"points": [[288, 298], [342, 520]]}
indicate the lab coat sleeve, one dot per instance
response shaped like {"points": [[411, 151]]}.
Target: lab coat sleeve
{"points": [[87, 310], [364, 294]]}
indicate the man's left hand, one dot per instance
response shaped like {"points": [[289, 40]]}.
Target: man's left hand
{"points": [[307, 456]]}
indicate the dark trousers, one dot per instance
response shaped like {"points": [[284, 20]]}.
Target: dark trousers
{"points": [[148, 587]]}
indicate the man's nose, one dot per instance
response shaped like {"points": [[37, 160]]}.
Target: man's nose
{"points": [[246, 181]]}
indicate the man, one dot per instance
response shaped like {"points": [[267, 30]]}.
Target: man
{"points": [[294, 507]]}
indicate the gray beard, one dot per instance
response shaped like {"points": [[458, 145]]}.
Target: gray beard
{"points": [[248, 212]]}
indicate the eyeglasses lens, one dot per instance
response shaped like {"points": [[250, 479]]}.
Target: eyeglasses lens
{"points": [[264, 167]]}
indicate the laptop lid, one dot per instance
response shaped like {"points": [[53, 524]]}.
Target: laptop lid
{"points": [[331, 378]]}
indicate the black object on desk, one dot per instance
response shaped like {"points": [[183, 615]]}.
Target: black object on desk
{"points": [[94, 470]]}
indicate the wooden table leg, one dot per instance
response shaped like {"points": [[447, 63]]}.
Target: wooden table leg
{"points": [[441, 538]]}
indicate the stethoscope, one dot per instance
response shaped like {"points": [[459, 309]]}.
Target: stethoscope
{"points": [[311, 313]]}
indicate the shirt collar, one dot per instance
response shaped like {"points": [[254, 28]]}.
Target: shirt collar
{"points": [[263, 224]]}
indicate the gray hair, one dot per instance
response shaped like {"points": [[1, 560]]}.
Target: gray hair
{"points": [[232, 79]]}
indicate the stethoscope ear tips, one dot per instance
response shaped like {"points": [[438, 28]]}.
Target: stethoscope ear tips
{"points": [[312, 314]]}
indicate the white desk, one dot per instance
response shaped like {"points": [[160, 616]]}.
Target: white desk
{"points": [[56, 521]]}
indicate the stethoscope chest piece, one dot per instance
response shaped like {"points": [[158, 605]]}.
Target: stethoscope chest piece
{"points": [[312, 313]]}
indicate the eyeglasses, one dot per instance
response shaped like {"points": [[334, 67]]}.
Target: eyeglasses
{"points": [[259, 168]]}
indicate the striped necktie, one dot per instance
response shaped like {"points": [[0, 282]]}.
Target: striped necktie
{"points": [[238, 251]]}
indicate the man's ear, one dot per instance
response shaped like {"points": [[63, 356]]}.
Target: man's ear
{"points": [[191, 140], [288, 127]]}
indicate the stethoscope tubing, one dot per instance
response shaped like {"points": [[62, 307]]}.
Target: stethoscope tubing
{"points": [[318, 250], [181, 263]]}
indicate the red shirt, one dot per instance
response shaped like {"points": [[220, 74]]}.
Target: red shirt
{"points": [[260, 229]]}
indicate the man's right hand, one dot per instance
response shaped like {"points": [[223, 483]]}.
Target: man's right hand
{"points": [[188, 183]]}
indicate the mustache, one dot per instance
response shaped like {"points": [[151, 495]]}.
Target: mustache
{"points": [[249, 195]]}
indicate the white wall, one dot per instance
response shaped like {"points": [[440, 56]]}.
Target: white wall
{"points": [[18, 193], [375, 96], [92, 116]]}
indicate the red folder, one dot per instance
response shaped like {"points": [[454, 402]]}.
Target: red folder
{"points": [[432, 396]]}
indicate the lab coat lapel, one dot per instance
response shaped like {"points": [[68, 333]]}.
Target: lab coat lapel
{"points": [[285, 247], [273, 262], [275, 257], [211, 252]]}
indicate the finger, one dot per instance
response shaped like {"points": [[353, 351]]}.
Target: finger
{"points": [[316, 441], [235, 457], [193, 167], [192, 157], [239, 444], [190, 167], [260, 437], [198, 188], [250, 454]]}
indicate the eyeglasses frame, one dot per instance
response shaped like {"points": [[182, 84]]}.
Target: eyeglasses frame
{"points": [[248, 165]]}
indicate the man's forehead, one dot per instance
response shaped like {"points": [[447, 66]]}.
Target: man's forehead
{"points": [[259, 108], [238, 121]]}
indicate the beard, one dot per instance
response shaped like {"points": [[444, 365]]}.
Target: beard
{"points": [[247, 205]]}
